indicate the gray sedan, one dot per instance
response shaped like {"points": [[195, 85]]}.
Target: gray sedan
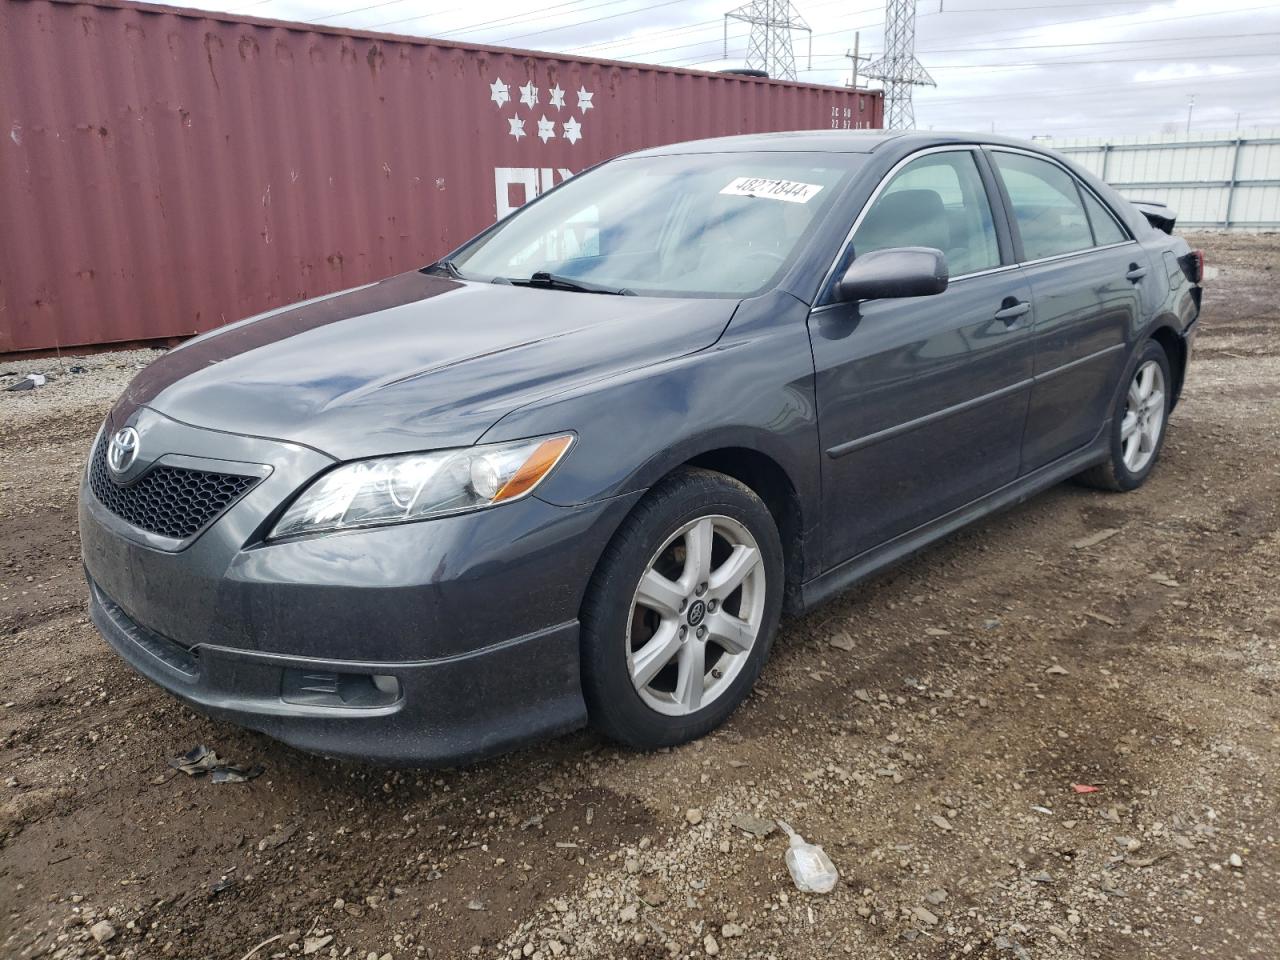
{"points": [[576, 471]]}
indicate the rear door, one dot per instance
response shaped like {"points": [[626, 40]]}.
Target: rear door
{"points": [[922, 401], [1086, 276]]}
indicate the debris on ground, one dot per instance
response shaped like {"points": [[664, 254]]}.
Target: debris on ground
{"points": [[842, 641], [759, 827], [1012, 946], [221, 885], [200, 760], [811, 868], [315, 944], [266, 942], [278, 837], [195, 762], [230, 773], [29, 382], [925, 916], [1095, 538]]}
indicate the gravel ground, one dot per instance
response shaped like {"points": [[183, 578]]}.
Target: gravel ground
{"points": [[928, 729]]}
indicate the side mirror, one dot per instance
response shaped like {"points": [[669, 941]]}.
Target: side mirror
{"points": [[896, 272]]}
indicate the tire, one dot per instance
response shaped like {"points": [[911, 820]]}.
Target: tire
{"points": [[1123, 470], [626, 629]]}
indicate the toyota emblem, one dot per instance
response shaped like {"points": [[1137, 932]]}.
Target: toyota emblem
{"points": [[122, 450]]}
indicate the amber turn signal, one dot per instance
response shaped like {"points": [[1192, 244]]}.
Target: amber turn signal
{"points": [[540, 462]]}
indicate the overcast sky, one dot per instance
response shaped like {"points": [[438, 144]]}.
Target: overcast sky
{"points": [[1030, 67]]}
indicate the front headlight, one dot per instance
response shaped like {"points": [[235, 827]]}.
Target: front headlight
{"points": [[417, 486]]}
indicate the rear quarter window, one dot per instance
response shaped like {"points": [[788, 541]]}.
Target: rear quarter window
{"points": [[1105, 228]]}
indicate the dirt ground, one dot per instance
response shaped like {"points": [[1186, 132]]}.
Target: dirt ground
{"points": [[927, 729]]}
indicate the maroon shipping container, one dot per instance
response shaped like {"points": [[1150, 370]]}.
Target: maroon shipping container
{"points": [[165, 171]]}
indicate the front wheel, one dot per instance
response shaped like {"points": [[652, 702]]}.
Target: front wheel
{"points": [[1138, 424], [680, 614]]}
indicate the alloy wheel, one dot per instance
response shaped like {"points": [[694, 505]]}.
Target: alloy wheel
{"points": [[696, 615], [1144, 416]]}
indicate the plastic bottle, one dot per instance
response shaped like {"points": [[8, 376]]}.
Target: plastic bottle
{"points": [[811, 868]]}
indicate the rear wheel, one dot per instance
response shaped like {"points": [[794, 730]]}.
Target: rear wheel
{"points": [[1138, 424], [680, 614]]}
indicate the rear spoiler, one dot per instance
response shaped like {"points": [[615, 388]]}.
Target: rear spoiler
{"points": [[1158, 214]]}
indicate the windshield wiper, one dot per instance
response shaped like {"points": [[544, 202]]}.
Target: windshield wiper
{"points": [[554, 281], [449, 267]]}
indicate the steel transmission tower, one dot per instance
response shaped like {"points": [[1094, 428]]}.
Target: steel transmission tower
{"points": [[772, 22], [899, 68]]}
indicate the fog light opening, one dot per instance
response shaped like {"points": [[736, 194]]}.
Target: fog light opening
{"points": [[322, 688]]}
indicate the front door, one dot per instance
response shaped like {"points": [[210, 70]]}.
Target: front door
{"points": [[922, 401]]}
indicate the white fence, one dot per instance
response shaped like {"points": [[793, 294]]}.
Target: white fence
{"points": [[1218, 180]]}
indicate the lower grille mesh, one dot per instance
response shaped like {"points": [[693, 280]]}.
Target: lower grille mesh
{"points": [[170, 501]]}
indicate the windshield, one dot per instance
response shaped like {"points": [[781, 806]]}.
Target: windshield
{"points": [[700, 225]]}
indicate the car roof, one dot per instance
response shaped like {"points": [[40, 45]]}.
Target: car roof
{"points": [[830, 141]]}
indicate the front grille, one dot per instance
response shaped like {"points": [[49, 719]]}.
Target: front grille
{"points": [[170, 501]]}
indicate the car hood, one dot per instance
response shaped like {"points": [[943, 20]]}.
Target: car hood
{"points": [[414, 362]]}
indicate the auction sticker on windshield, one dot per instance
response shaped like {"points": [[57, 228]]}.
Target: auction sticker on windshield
{"points": [[788, 190]]}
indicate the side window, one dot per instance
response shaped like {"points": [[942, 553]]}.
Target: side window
{"points": [[1105, 228], [936, 201], [1046, 204]]}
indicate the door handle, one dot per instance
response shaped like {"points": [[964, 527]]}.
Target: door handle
{"points": [[1135, 273], [1010, 313]]}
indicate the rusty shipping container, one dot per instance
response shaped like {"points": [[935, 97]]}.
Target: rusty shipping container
{"points": [[165, 171]]}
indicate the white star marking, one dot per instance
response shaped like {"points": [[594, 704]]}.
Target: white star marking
{"points": [[584, 99], [517, 127], [529, 94], [557, 96], [546, 129], [499, 93], [572, 130]]}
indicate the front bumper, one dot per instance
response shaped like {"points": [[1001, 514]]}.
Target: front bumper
{"points": [[433, 642], [442, 711]]}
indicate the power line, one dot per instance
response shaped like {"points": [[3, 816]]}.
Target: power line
{"points": [[499, 21], [347, 13], [1073, 92], [1051, 6], [1051, 46], [1093, 18], [617, 41], [1096, 43], [517, 17], [1090, 19], [1056, 23], [1074, 63], [696, 43], [639, 55], [685, 28]]}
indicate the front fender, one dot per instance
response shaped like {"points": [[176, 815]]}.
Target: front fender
{"points": [[753, 389]]}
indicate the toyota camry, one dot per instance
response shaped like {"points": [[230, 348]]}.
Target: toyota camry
{"points": [[575, 471]]}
